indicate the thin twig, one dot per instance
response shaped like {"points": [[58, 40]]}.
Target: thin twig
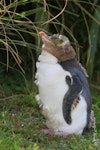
{"points": [[45, 5], [57, 14]]}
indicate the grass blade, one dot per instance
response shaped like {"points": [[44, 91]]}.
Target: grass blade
{"points": [[93, 42]]}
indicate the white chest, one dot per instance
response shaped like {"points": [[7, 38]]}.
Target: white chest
{"points": [[51, 82]]}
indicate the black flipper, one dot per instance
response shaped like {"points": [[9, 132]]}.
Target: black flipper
{"points": [[74, 90]]}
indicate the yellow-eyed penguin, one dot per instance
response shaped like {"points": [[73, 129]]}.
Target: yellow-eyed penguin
{"points": [[64, 94]]}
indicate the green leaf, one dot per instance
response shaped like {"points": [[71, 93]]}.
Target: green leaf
{"points": [[93, 42]]}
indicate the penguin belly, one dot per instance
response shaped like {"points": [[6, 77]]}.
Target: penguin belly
{"points": [[52, 89]]}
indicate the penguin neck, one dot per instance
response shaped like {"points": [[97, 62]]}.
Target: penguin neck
{"points": [[46, 57]]}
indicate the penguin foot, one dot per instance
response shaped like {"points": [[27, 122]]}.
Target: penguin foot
{"points": [[47, 131], [61, 133], [51, 132]]}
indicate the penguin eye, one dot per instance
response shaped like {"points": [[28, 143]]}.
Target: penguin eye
{"points": [[57, 40], [60, 42]]}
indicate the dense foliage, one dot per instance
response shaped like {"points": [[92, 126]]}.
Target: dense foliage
{"points": [[21, 20]]}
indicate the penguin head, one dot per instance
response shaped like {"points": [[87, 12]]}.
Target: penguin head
{"points": [[57, 45]]}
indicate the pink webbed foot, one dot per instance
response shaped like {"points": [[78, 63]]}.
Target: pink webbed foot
{"points": [[61, 133], [47, 131], [51, 132]]}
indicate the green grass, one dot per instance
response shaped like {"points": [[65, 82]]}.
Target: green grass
{"points": [[21, 123]]}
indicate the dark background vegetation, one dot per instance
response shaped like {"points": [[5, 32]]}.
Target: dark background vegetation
{"points": [[20, 45]]}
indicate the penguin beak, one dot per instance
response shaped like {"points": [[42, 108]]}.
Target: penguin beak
{"points": [[45, 38], [41, 33]]}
